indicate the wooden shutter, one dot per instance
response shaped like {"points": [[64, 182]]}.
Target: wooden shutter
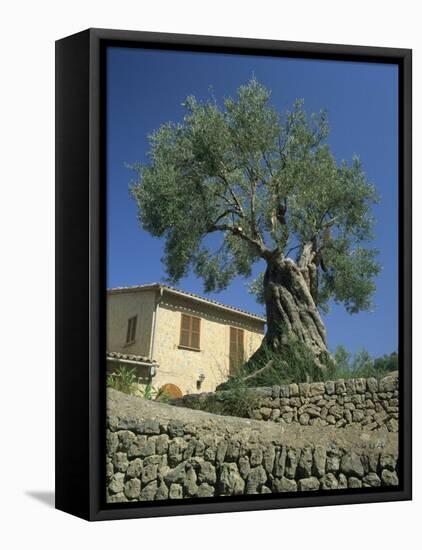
{"points": [[185, 331], [240, 346], [237, 352], [195, 332], [133, 333], [128, 332], [190, 332], [131, 329]]}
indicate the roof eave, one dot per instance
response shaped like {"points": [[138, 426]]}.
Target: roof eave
{"points": [[209, 303], [188, 295]]}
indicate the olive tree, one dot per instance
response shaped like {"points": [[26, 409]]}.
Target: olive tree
{"points": [[240, 183]]}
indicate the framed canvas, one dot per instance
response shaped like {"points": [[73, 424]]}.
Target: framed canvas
{"points": [[233, 274]]}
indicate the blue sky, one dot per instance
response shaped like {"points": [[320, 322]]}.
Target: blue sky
{"points": [[145, 88]]}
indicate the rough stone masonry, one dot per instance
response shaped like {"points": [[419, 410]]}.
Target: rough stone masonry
{"points": [[364, 402], [157, 451]]}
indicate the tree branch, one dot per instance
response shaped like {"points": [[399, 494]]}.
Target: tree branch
{"points": [[252, 206], [307, 256], [329, 223], [229, 202], [260, 248], [268, 163], [292, 248], [223, 176], [223, 215], [262, 369]]}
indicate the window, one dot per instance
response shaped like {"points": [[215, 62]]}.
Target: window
{"points": [[190, 331], [237, 353], [131, 329]]}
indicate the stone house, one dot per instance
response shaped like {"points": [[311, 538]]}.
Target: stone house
{"points": [[174, 337]]}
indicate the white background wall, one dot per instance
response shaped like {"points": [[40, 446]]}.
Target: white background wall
{"points": [[29, 29]]}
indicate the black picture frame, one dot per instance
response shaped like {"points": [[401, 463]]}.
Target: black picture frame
{"points": [[80, 269]]}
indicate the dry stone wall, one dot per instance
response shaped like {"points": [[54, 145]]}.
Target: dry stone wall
{"points": [[364, 402], [157, 451]]}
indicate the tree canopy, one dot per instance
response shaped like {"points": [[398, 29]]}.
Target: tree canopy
{"points": [[268, 185]]}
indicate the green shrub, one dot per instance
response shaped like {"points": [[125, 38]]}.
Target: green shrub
{"points": [[151, 393], [148, 392], [239, 401], [123, 379], [363, 365], [294, 363]]}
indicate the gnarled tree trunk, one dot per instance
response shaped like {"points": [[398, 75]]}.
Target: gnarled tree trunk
{"points": [[292, 314]]}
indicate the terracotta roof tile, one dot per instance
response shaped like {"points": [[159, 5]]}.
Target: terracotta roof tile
{"points": [[130, 357]]}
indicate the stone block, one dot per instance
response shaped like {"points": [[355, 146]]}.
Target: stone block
{"points": [[308, 484]]}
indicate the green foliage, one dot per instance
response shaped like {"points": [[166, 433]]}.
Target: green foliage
{"points": [[342, 360], [123, 379], [362, 365], [256, 287], [261, 182], [152, 393], [149, 392], [294, 364], [349, 279], [237, 398], [387, 363], [239, 401]]}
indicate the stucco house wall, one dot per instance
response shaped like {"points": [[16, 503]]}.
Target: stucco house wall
{"points": [[184, 366], [120, 307], [163, 309]]}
